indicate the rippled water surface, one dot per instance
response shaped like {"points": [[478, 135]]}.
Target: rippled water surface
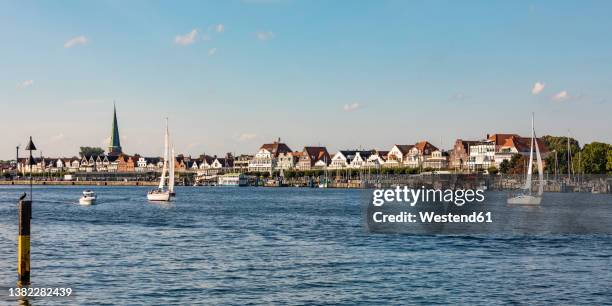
{"points": [[283, 246]]}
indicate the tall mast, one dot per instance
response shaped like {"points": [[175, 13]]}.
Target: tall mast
{"points": [[569, 158]]}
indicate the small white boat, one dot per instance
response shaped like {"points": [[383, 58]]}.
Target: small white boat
{"points": [[527, 198], [88, 198]]}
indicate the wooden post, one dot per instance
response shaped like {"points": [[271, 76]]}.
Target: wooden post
{"points": [[23, 243]]}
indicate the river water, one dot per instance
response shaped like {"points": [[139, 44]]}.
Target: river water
{"points": [[283, 246]]}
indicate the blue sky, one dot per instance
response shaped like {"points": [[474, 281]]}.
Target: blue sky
{"points": [[231, 75]]}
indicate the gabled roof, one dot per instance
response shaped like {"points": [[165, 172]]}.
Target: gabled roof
{"points": [[424, 146], [466, 143], [500, 139], [404, 148], [226, 162], [523, 144], [276, 148], [315, 154], [350, 154]]}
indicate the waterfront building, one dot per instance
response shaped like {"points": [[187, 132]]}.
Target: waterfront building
{"points": [[459, 155], [205, 161], [397, 155], [377, 159], [288, 160], [507, 145], [360, 159], [437, 160], [266, 158], [314, 158], [241, 163], [419, 153], [346, 159], [482, 155], [223, 163]]}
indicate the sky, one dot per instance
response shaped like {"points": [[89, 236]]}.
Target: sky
{"points": [[231, 75]]}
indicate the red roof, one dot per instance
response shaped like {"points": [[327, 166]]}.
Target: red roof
{"points": [[276, 148]]}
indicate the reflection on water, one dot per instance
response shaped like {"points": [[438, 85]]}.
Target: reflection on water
{"points": [[284, 246]]}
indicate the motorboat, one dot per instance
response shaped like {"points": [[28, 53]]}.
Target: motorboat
{"points": [[88, 198]]}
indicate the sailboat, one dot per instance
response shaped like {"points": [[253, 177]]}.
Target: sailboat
{"points": [[527, 197], [162, 193]]}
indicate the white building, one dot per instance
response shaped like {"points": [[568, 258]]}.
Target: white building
{"points": [[266, 159]]}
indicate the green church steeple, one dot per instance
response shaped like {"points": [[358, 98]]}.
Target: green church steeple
{"points": [[114, 147]]}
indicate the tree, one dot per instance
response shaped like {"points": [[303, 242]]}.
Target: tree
{"points": [[559, 145], [492, 170], [609, 164], [593, 158], [89, 151], [504, 166], [518, 164]]}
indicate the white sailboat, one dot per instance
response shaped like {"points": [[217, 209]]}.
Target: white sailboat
{"points": [[527, 198], [161, 193]]}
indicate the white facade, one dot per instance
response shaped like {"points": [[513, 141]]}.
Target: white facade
{"points": [[339, 161], [482, 156], [263, 161]]}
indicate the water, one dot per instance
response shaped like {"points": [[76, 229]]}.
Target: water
{"points": [[283, 246]]}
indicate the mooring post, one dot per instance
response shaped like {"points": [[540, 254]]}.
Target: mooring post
{"points": [[23, 243], [23, 240]]}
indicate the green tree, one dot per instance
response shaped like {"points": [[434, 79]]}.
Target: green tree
{"points": [[609, 164], [504, 166], [89, 151], [593, 158], [559, 145], [492, 170]]}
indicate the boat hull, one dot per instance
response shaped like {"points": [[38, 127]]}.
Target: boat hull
{"points": [[87, 201], [161, 196], [525, 200]]}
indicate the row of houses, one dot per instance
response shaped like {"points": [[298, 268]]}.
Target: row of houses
{"points": [[466, 155]]}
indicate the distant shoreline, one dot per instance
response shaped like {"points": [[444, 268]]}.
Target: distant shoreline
{"points": [[79, 183]]}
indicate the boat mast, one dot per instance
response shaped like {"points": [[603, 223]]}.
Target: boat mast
{"points": [[569, 158], [530, 166]]}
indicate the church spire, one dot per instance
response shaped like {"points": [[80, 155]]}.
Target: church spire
{"points": [[114, 147]]}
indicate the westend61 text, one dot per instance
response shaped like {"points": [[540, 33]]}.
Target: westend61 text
{"points": [[431, 217], [413, 196]]}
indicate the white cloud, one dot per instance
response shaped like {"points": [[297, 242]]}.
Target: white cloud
{"points": [[246, 136], [25, 84], [459, 96], [561, 96], [537, 88], [186, 39], [220, 28], [212, 51], [265, 35], [351, 107], [79, 40]]}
